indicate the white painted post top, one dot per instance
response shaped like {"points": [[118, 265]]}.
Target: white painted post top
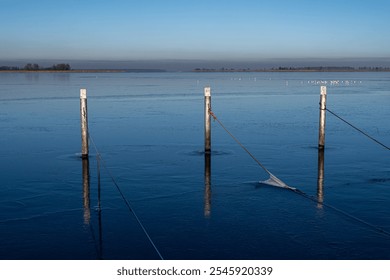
{"points": [[83, 93], [323, 90], [207, 91]]}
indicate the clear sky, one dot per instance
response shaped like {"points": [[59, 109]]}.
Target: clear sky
{"points": [[241, 30]]}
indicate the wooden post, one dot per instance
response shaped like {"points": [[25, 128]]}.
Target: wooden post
{"points": [[207, 149], [321, 137], [84, 123], [207, 120]]}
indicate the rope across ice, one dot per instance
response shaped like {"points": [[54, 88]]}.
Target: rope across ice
{"points": [[273, 180]]}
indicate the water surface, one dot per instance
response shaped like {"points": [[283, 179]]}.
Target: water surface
{"points": [[148, 128]]}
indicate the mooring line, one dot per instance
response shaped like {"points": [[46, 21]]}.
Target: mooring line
{"points": [[299, 192], [239, 143], [358, 129], [279, 182], [91, 229], [130, 208], [374, 227]]}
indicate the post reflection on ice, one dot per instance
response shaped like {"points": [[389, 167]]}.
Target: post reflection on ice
{"points": [[86, 189], [207, 185], [320, 178], [87, 204]]}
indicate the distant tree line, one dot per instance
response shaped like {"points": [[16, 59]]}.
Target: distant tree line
{"points": [[300, 69], [331, 68], [374, 68], [9, 68], [223, 69], [316, 68], [36, 67]]}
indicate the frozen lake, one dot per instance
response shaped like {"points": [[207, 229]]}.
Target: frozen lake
{"points": [[148, 128]]}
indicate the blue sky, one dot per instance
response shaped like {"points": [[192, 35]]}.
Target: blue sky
{"points": [[244, 30]]}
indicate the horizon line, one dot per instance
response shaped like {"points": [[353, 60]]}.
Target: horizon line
{"points": [[190, 64]]}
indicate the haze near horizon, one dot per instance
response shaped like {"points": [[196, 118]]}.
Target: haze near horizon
{"points": [[188, 33]]}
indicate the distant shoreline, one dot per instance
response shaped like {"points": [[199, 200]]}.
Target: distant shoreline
{"points": [[87, 71], [197, 70], [286, 71], [299, 69]]}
